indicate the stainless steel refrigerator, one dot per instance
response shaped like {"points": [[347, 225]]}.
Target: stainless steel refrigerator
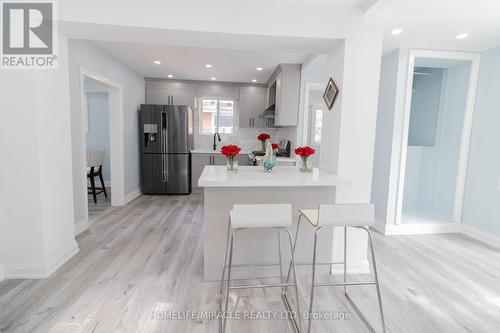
{"points": [[166, 142]]}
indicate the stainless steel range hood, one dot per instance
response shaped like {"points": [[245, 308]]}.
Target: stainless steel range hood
{"points": [[268, 115]]}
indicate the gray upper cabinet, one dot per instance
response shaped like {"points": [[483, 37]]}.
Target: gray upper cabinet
{"points": [[170, 93], [252, 102], [284, 91], [157, 95]]}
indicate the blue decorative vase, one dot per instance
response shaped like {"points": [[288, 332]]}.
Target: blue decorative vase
{"points": [[269, 164]]}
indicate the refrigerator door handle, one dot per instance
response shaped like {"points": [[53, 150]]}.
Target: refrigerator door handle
{"points": [[164, 145]]}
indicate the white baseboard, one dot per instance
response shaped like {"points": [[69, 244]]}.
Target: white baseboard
{"points": [[132, 195], [353, 267], [481, 236], [380, 227], [42, 270], [81, 227], [64, 255], [417, 228]]}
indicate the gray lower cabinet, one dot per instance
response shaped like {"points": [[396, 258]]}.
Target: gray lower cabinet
{"points": [[200, 160], [198, 163]]}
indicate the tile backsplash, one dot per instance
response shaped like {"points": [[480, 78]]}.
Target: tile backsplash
{"points": [[246, 138]]}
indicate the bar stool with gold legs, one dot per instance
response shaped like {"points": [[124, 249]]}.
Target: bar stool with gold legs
{"points": [[266, 216], [358, 216]]}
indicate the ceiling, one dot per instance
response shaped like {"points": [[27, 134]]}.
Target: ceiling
{"points": [[188, 63], [433, 24], [425, 24]]}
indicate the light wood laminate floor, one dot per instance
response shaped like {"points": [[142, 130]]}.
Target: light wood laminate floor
{"points": [[139, 261]]}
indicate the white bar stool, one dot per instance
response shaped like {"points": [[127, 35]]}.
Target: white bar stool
{"points": [[358, 216], [242, 217]]}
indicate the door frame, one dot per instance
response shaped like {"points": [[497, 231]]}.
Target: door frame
{"points": [[116, 139], [304, 131], [474, 59]]}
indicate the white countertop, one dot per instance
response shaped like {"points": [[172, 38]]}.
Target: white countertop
{"points": [[280, 176], [279, 159]]}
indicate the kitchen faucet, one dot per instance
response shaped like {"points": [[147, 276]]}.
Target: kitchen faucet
{"points": [[215, 144]]}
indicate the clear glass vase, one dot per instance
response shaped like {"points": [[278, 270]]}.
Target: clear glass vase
{"points": [[263, 145], [305, 166], [232, 164]]}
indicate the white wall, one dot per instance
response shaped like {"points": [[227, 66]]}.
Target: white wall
{"points": [[261, 17], [347, 143], [384, 134], [89, 56], [389, 135], [36, 208], [481, 208]]}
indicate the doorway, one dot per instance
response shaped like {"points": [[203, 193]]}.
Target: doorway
{"points": [[314, 108], [96, 107], [102, 112], [438, 116]]}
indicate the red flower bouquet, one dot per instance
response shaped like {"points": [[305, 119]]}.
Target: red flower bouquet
{"points": [[304, 153], [275, 146], [262, 137], [231, 151]]}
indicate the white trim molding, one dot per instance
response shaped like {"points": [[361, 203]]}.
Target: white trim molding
{"points": [[36, 270], [481, 236], [361, 266], [417, 228], [81, 226], [116, 135], [132, 195], [475, 59]]}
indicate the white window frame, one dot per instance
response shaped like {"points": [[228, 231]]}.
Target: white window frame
{"points": [[200, 115]]}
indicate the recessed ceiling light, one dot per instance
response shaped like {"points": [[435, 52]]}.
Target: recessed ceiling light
{"points": [[208, 66], [254, 80], [170, 76], [157, 62], [213, 78], [396, 31], [259, 68], [462, 35]]}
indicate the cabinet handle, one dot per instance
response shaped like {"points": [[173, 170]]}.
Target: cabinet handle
{"points": [[249, 122], [253, 122], [172, 99]]}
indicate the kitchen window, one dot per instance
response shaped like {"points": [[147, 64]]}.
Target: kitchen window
{"points": [[217, 116]]}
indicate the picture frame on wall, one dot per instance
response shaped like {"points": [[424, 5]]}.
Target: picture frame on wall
{"points": [[330, 94]]}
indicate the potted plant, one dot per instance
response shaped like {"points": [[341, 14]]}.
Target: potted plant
{"points": [[231, 152], [304, 153], [262, 137]]}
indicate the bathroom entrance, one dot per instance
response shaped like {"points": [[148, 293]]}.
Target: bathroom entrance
{"points": [[438, 119]]}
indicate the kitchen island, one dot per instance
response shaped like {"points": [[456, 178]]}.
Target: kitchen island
{"points": [[251, 185]]}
